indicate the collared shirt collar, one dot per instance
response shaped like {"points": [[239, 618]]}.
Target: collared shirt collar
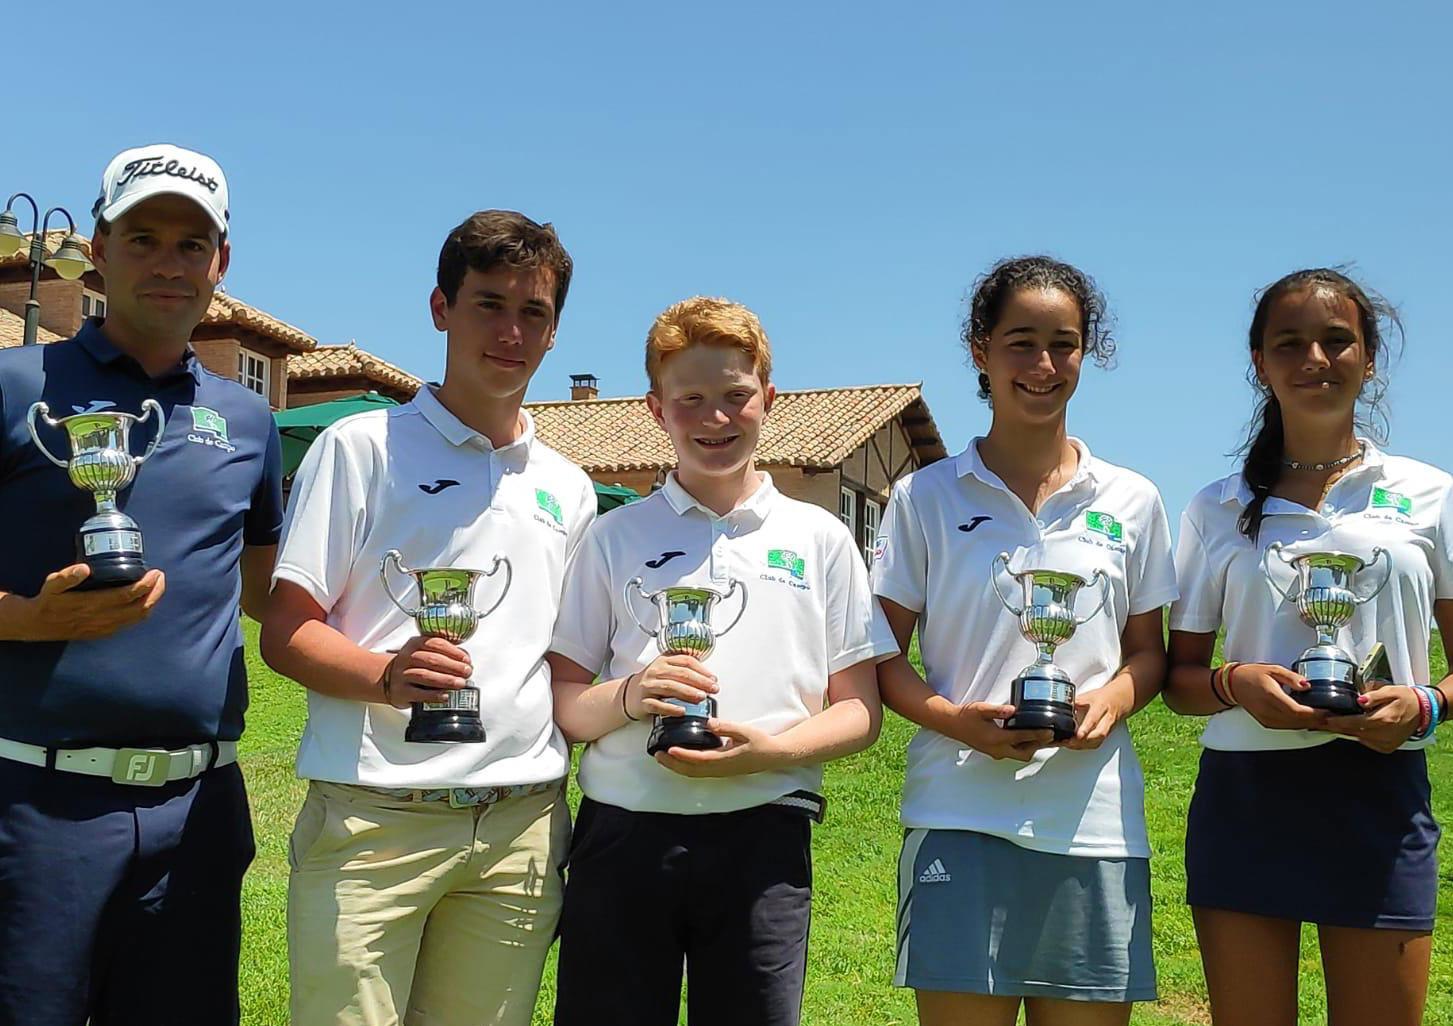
{"points": [[970, 462], [756, 506], [1234, 488], [93, 340], [456, 432]]}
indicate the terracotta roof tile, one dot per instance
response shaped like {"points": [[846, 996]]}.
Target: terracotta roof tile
{"points": [[228, 309], [12, 331], [349, 361], [809, 428]]}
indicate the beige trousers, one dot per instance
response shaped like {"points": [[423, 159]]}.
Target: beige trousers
{"points": [[420, 913]]}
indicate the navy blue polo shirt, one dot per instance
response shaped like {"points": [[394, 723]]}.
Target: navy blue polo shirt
{"points": [[213, 485]]}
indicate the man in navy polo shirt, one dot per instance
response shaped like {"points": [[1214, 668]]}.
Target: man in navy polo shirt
{"points": [[124, 827]]}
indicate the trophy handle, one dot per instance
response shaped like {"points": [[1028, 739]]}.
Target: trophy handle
{"points": [[147, 406], [396, 558], [736, 584], [1266, 568], [1104, 579], [635, 582], [1003, 558], [509, 579], [43, 411], [1381, 553]]}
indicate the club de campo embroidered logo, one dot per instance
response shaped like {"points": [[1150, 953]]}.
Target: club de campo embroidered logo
{"points": [[1384, 499], [209, 428], [786, 559], [1104, 523], [549, 504]]}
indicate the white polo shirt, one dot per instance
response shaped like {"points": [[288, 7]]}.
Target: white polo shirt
{"points": [[1389, 501], [941, 531], [416, 479], [809, 613]]}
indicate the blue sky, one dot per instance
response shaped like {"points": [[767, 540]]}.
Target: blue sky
{"points": [[844, 169]]}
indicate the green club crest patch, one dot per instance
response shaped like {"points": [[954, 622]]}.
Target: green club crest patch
{"points": [[1104, 523], [210, 421], [550, 505], [786, 559], [1384, 499]]}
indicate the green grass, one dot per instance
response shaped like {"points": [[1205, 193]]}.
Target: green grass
{"points": [[855, 855]]}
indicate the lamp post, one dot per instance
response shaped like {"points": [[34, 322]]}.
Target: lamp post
{"points": [[69, 261]]}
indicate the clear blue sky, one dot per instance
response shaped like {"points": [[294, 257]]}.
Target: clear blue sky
{"points": [[844, 169]]}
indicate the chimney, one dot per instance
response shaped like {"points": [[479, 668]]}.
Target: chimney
{"points": [[583, 386]]}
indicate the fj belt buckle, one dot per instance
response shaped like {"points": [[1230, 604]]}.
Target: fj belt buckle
{"points": [[144, 767]]}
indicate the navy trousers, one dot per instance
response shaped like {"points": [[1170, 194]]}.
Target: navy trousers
{"points": [[120, 904], [727, 894]]}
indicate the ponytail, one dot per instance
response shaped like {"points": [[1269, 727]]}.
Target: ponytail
{"points": [[1262, 466]]}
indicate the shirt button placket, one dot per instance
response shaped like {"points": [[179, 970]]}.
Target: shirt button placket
{"points": [[719, 550]]}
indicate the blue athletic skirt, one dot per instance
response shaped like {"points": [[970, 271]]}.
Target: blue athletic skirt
{"points": [[1338, 835]]}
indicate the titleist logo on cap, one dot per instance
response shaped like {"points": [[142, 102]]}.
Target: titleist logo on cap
{"points": [[161, 166]]}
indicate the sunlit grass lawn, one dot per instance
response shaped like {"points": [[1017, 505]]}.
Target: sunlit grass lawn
{"points": [[855, 855]]}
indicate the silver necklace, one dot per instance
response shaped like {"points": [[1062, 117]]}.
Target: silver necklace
{"points": [[1329, 465]]}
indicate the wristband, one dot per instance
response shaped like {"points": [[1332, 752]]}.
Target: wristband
{"points": [[1425, 713], [1228, 683], [626, 686], [386, 682], [1435, 714], [1215, 689]]}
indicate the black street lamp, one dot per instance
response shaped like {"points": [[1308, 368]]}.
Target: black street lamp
{"points": [[69, 260]]}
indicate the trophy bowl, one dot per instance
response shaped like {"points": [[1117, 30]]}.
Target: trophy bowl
{"points": [[101, 463], [684, 627], [1043, 695], [445, 609]]}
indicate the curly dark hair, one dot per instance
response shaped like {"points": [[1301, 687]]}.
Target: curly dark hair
{"points": [[1263, 449], [993, 289]]}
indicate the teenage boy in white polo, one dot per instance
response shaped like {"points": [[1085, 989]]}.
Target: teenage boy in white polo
{"points": [[705, 856], [425, 883]]}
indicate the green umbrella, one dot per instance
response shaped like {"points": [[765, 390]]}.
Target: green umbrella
{"points": [[608, 497], [300, 425]]}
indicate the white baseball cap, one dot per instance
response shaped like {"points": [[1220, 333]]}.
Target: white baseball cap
{"points": [[161, 170]]}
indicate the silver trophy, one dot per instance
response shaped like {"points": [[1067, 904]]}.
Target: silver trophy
{"points": [[1326, 597], [101, 463], [684, 628], [1042, 694], [446, 610]]}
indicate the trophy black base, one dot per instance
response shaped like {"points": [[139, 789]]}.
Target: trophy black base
{"points": [[1334, 696], [1051, 716], [1333, 678], [113, 570], [1043, 698], [431, 725], [681, 732]]}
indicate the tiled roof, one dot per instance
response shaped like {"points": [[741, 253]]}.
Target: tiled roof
{"points": [[12, 331], [227, 309], [349, 361], [224, 309], [817, 427]]}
